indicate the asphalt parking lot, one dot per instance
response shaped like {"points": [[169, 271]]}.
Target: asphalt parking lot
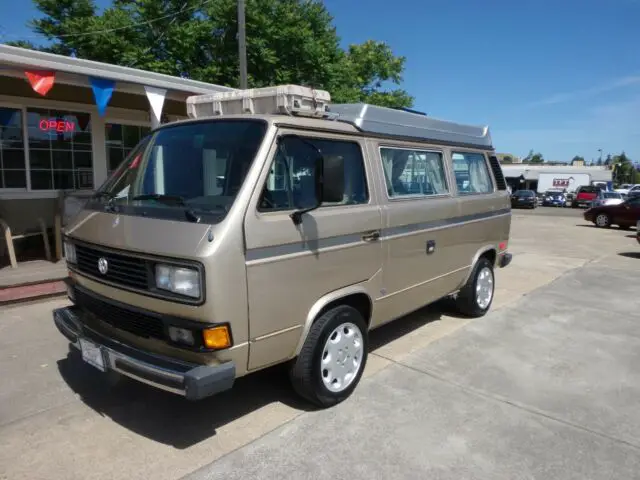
{"points": [[545, 386]]}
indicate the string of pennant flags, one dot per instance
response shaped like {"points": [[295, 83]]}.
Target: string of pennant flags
{"points": [[42, 82]]}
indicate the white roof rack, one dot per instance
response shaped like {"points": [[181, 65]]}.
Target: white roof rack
{"points": [[284, 99]]}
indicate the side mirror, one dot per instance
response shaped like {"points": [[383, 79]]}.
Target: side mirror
{"points": [[330, 179]]}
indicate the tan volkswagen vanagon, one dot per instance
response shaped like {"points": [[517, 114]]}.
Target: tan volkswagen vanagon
{"points": [[275, 227]]}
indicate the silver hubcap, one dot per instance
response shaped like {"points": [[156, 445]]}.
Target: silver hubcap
{"points": [[341, 357], [484, 288], [602, 220]]}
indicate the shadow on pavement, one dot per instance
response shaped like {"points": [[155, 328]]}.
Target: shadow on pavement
{"points": [[634, 255], [172, 420]]}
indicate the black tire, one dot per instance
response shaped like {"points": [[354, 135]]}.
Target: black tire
{"points": [[466, 300], [305, 373], [602, 220]]}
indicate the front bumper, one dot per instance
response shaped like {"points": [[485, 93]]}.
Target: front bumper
{"points": [[192, 381]]}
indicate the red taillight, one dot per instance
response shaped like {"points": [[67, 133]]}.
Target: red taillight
{"points": [[502, 246]]}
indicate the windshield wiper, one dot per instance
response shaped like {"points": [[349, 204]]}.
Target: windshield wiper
{"points": [[171, 200]]}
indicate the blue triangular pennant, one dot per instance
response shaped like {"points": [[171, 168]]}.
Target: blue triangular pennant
{"points": [[102, 90]]}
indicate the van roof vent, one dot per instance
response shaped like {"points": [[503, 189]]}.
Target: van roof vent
{"points": [[392, 122], [283, 99]]}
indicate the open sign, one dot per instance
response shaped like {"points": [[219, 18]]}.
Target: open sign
{"points": [[53, 125]]}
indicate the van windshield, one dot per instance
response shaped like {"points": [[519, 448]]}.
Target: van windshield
{"points": [[194, 168]]}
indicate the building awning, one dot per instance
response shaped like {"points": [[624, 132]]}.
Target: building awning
{"points": [[20, 59]]}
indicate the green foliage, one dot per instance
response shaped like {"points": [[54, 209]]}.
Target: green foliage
{"points": [[288, 41], [624, 170], [577, 159], [537, 158]]}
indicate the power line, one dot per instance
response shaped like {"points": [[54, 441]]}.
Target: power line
{"points": [[117, 29]]}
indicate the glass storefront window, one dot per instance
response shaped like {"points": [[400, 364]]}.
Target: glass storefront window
{"points": [[12, 158], [60, 149], [121, 139]]}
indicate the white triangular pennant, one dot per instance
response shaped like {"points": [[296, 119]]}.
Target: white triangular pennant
{"points": [[156, 100]]}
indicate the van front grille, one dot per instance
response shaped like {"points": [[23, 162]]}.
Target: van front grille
{"points": [[124, 270], [138, 323]]}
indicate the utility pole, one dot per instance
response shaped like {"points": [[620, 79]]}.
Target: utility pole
{"points": [[242, 45]]}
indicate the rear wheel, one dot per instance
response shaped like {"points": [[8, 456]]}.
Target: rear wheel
{"points": [[602, 220], [332, 358], [476, 297]]}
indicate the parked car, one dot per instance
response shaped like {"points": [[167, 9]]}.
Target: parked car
{"points": [[638, 231], [585, 195], [607, 198], [625, 214], [524, 199], [628, 188], [554, 198]]}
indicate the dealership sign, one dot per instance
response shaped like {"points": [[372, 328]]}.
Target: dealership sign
{"points": [[562, 182]]}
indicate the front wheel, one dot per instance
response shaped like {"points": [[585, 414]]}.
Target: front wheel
{"points": [[475, 298], [603, 220], [332, 358]]}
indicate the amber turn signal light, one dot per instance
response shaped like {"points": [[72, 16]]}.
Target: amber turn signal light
{"points": [[217, 337]]}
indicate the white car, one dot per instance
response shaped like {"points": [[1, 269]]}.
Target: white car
{"points": [[607, 198], [626, 189]]}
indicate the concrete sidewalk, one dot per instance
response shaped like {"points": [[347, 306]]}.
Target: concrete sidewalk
{"points": [[546, 388]]}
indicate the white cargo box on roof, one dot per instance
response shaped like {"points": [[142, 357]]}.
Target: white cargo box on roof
{"points": [[400, 123], [283, 99]]}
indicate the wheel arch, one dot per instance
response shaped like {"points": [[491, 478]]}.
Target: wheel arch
{"points": [[488, 251], [355, 295]]}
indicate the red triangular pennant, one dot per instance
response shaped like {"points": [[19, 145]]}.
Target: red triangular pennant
{"points": [[41, 81]]}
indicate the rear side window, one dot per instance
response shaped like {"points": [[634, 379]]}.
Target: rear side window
{"points": [[413, 172], [291, 181], [471, 172]]}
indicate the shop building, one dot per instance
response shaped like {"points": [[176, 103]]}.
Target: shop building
{"points": [[525, 176], [66, 123]]}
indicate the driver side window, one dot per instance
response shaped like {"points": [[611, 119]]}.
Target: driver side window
{"points": [[291, 181]]}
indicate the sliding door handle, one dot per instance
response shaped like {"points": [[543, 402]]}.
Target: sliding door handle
{"points": [[371, 236]]}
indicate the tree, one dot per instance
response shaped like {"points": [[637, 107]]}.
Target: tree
{"points": [[599, 162], [537, 158], [507, 159], [623, 169], [288, 41], [577, 159]]}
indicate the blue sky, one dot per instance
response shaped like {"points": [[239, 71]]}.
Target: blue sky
{"points": [[561, 77]]}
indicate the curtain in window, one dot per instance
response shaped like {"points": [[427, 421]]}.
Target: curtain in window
{"points": [[478, 175]]}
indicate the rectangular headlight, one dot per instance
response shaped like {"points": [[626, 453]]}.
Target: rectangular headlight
{"points": [[70, 252], [180, 280]]}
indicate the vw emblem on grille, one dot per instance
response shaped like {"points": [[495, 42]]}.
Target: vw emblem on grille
{"points": [[103, 265]]}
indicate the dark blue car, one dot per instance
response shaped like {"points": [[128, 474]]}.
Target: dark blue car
{"points": [[554, 198]]}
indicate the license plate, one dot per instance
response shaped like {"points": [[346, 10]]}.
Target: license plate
{"points": [[92, 354]]}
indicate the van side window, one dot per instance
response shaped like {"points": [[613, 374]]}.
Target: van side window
{"points": [[471, 172], [291, 182], [413, 172]]}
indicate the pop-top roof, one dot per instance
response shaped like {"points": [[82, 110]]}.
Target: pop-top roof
{"points": [[400, 123], [307, 102]]}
